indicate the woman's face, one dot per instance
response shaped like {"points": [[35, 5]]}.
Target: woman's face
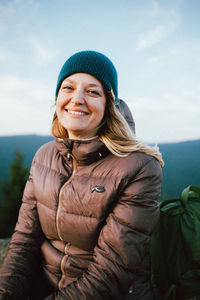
{"points": [[80, 105]]}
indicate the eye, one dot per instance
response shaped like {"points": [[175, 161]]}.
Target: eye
{"points": [[67, 87], [93, 92]]}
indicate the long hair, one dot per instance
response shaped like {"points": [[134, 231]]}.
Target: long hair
{"points": [[114, 132]]}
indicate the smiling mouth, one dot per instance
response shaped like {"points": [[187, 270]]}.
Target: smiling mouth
{"points": [[80, 113]]}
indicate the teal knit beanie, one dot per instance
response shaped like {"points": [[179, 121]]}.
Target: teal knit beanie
{"points": [[94, 63]]}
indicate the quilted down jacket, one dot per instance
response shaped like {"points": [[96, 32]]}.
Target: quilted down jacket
{"points": [[84, 224]]}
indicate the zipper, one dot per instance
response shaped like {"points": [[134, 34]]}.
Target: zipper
{"points": [[65, 257], [57, 216], [67, 246], [59, 200]]}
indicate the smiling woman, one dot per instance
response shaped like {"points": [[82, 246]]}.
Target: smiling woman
{"points": [[91, 202], [80, 105]]}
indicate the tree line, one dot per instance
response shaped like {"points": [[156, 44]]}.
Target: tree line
{"points": [[11, 190]]}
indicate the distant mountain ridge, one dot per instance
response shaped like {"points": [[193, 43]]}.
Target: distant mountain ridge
{"points": [[182, 166], [182, 160]]}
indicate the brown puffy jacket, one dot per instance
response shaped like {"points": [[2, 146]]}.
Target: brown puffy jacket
{"points": [[86, 218]]}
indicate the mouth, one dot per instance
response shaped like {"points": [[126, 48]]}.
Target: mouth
{"points": [[77, 113]]}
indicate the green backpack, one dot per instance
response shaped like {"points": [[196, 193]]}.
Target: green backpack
{"points": [[175, 247]]}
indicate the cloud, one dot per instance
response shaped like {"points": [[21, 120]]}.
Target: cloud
{"points": [[169, 103], [171, 117], [15, 87], [174, 51], [155, 8], [7, 12], [11, 13], [152, 37], [25, 106], [153, 60], [44, 51], [5, 55], [167, 21]]}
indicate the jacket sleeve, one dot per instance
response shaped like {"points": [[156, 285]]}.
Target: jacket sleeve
{"points": [[123, 241], [20, 265]]}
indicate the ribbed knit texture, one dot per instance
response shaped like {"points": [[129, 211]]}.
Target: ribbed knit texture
{"points": [[94, 63]]}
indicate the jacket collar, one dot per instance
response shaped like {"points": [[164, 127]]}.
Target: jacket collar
{"points": [[84, 152]]}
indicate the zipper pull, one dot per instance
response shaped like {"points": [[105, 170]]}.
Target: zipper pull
{"points": [[69, 150], [68, 155]]}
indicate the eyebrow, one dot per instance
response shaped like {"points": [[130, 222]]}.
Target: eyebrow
{"points": [[90, 84], [95, 85]]}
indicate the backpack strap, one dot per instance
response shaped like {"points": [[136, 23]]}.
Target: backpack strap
{"points": [[192, 190]]}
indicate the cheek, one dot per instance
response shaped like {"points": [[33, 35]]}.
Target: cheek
{"points": [[60, 103], [62, 99], [99, 107], [98, 112], [102, 108], [57, 107]]}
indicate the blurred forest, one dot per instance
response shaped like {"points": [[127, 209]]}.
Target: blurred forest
{"points": [[11, 194], [182, 168]]}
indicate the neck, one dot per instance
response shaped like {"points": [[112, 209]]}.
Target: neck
{"points": [[86, 139]]}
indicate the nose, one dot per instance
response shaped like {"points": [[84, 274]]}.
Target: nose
{"points": [[78, 96]]}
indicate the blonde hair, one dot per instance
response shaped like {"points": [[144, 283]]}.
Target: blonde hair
{"points": [[114, 132]]}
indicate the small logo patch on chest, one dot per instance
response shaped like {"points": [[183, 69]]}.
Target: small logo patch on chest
{"points": [[98, 189]]}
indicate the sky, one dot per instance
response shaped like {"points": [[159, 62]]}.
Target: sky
{"points": [[154, 45]]}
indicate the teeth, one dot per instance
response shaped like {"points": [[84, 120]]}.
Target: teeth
{"points": [[76, 112]]}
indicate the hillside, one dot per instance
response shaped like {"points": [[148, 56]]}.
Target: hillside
{"points": [[27, 144], [182, 160], [182, 166]]}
